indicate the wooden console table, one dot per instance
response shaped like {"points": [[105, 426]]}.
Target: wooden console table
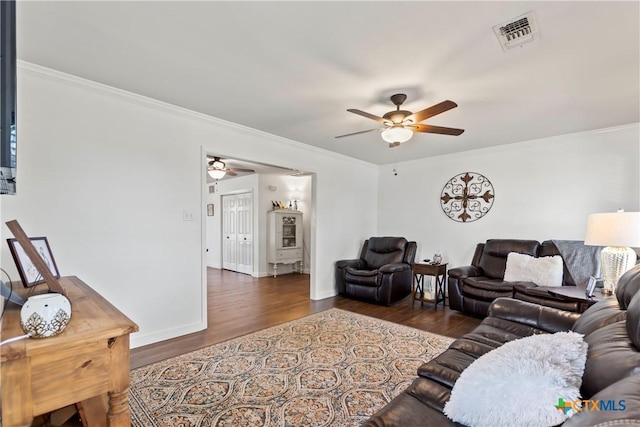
{"points": [[87, 364], [439, 272]]}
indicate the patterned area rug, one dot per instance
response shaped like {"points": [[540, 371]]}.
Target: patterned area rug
{"points": [[333, 368]]}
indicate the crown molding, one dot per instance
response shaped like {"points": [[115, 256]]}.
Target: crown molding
{"points": [[514, 145], [141, 100]]}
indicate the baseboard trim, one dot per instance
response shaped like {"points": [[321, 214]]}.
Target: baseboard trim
{"points": [[323, 295], [142, 339], [280, 272]]}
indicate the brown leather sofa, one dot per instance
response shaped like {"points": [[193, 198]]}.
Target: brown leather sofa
{"points": [[382, 274], [611, 329], [473, 288]]}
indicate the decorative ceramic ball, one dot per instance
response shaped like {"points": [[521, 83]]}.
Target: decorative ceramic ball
{"points": [[45, 315]]}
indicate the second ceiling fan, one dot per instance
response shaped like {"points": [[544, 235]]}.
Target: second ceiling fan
{"points": [[399, 125], [217, 168]]}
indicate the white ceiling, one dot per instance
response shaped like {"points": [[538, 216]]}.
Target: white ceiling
{"points": [[293, 68]]}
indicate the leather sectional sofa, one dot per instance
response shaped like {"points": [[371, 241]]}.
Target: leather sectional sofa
{"points": [[611, 329], [472, 288]]}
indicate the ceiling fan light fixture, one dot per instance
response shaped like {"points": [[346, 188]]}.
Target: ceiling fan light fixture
{"points": [[397, 134], [216, 173], [217, 164]]}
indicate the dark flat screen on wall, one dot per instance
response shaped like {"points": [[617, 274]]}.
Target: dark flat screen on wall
{"points": [[8, 97]]}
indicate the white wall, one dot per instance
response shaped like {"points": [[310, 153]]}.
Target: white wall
{"points": [[106, 176], [544, 189]]}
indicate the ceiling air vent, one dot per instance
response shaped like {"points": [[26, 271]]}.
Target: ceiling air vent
{"points": [[518, 31]]}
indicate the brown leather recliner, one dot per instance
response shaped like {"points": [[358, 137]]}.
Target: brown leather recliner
{"points": [[611, 329], [382, 274]]}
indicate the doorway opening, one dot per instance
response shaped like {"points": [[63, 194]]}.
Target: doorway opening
{"points": [[236, 221]]}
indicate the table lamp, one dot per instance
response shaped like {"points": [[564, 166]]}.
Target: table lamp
{"points": [[618, 231]]}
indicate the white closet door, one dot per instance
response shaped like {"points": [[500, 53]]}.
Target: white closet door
{"points": [[229, 233], [237, 232], [245, 233]]}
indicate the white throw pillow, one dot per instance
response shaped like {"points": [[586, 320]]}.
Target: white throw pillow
{"points": [[519, 383], [543, 271]]}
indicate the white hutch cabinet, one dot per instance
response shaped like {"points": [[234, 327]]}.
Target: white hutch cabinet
{"points": [[284, 240]]}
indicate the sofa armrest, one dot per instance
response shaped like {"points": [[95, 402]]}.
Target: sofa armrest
{"points": [[538, 316], [358, 264], [466, 271], [341, 266], [394, 268]]}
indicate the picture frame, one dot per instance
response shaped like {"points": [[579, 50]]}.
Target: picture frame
{"points": [[591, 286], [210, 209], [28, 272]]}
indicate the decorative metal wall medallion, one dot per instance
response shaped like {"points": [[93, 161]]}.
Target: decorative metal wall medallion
{"points": [[467, 197]]}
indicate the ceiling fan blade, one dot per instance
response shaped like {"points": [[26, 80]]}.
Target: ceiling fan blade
{"points": [[356, 133], [230, 172], [436, 129], [240, 170], [434, 110], [368, 115]]}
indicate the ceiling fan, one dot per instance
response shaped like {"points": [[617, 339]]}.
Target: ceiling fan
{"points": [[399, 125], [217, 168]]}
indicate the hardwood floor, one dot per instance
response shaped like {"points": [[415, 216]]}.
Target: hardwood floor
{"points": [[240, 304]]}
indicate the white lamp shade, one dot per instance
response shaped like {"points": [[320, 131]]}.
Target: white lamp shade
{"points": [[216, 173], [397, 134], [613, 229]]}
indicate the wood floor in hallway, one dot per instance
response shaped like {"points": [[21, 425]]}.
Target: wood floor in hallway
{"points": [[239, 304]]}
